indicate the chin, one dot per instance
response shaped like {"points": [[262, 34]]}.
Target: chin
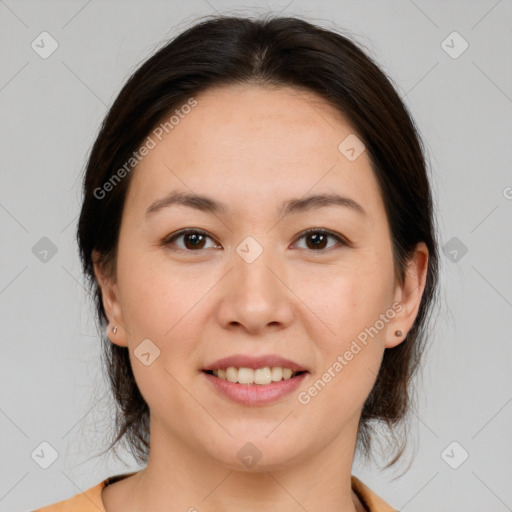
{"points": [[265, 464], [256, 453]]}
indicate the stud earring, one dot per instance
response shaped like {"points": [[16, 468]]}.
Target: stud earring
{"points": [[114, 329], [398, 333]]}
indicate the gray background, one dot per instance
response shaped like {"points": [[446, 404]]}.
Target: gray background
{"points": [[51, 382]]}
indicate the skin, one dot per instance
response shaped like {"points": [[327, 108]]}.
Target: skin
{"points": [[252, 147]]}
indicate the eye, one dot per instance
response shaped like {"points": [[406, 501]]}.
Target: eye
{"points": [[318, 239], [194, 239]]}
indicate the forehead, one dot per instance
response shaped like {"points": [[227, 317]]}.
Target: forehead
{"points": [[246, 143]]}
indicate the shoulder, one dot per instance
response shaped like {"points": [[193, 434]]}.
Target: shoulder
{"points": [[87, 501], [370, 500]]}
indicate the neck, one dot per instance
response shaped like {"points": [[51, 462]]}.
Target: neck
{"points": [[179, 476]]}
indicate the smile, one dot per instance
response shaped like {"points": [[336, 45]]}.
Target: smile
{"points": [[249, 392], [260, 376]]}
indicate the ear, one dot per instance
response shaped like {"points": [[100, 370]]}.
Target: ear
{"points": [[110, 299], [409, 295]]}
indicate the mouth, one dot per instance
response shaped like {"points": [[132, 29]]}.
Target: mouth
{"points": [[255, 380], [257, 376], [256, 387]]}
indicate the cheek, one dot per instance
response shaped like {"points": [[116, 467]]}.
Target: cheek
{"points": [[161, 303], [346, 301], [351, 304], [351, 349], [157, 298], [158, 305]]}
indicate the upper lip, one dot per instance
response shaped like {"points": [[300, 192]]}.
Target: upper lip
{"points": [[246, 361]]}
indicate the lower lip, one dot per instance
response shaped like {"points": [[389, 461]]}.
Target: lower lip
{"points": [[255, 394]]}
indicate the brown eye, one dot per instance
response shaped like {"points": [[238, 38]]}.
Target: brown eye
{"points": [[316, 239], [193, 240]]}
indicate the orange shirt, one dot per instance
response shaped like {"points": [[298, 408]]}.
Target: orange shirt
{"points": [[90, 500]]}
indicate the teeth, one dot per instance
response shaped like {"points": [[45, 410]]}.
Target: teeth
{"points": [[231, 374], [287, 373], [277, 373], [260, 376]]}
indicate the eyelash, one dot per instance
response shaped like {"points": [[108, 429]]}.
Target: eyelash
{"points": [[343, 241]]}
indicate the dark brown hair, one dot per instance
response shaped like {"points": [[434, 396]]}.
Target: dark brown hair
{"points": [[223, 50]]}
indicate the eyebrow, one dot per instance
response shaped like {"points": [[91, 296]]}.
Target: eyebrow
{"points": [[291, 206]]}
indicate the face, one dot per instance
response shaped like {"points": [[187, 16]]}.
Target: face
{"points": [[247, 280]]}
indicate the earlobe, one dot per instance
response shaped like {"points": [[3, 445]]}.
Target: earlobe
{"points": [[110, 299], [409, 295], [397, 338], [116, 335]]}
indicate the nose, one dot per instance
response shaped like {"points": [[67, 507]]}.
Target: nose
{"points": [[255, 296]]}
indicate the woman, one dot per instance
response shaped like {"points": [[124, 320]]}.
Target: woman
{"points": [[258, 230]]}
